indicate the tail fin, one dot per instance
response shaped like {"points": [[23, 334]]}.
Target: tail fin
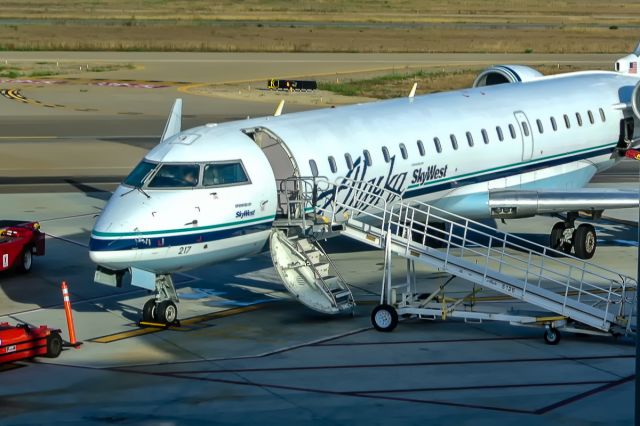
{"points": [[629, 64]]}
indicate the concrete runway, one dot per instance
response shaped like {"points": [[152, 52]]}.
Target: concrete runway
{"points": [[247, 352]]}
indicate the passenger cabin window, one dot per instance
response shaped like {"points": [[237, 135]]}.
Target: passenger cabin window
{"points": [[499, 132], [554, 125], [314, 168], [176, 176], [403, 151], [591, 119], [512, 131], [438, 145], [349, 161], [602, 117], [525, 128], [420, 148], [367, 158], [332, 164], [540, 128], [485, 136], [579, 118], [566, 121], [138, 175], [454, 141], [385, 154], [226, 174], [469, 139]]}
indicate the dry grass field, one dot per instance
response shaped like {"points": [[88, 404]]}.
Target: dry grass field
{"points": [[398, 84], [513, 26]]}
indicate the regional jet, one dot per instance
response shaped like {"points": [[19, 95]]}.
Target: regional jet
{"points": [[515, 145]]}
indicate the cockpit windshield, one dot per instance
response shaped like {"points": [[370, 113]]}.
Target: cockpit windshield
{"points": [[224, 174], [139, 174], [176, 176]]}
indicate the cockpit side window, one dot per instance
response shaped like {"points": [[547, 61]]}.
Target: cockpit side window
{"points": [[176, 176], [224, 174], [138, 175]]}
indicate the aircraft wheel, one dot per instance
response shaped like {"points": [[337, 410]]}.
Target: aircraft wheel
{"points": [[149, 311], [26, 260], [551, 336], [384, 318], [54, 345], [585, 241], [167, 312], [555, 239]]}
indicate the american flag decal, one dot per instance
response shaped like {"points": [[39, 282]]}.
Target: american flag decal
{"points": [[633, 68]]}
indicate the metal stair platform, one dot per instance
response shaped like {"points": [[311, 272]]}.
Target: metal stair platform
{"points": [[576, 290]]}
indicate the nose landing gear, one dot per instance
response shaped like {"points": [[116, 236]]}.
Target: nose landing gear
{"points": [[161, 310]]}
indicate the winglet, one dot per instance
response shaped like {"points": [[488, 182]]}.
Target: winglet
{"points": [[174, 122], [279, 109], [412, 94]]}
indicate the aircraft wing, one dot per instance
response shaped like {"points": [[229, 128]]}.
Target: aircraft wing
{"points": [[516, 203]]}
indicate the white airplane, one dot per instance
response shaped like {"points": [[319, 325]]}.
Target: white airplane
{"points": [[517, 144]]}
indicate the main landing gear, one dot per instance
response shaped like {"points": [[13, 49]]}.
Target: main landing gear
{"points": [[162, 309], [565, 236]]}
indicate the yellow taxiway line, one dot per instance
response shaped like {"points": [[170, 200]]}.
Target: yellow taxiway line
{"points": [[187, 322]]}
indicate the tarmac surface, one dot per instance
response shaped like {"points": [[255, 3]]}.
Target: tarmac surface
{"points": [[246, 352]]}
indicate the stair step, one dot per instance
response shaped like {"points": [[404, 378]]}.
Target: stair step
{"points": [[341, 294], [313, 255], [322, 268], [305, 244]]}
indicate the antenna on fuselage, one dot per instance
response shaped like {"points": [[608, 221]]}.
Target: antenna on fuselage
{"points": [[412, 93], [279, 109], [174, 122]]}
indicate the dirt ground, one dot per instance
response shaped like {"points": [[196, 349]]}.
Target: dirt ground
{"points": [[484, 26]]}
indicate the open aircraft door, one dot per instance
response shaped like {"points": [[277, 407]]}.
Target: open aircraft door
{"points": [[283, 164]]}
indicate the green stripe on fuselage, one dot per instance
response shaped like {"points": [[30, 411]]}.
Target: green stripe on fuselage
{"points": [[493, 169], [183, 230]]}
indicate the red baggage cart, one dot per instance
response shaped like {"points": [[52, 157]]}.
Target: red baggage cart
{"points": [[24, 342]]}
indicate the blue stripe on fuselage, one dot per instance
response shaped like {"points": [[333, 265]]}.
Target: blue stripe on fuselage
{"points": [[529, 167], [146, 242]]}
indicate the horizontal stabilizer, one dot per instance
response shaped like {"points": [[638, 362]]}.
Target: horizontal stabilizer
{"points": [[174, 122]]}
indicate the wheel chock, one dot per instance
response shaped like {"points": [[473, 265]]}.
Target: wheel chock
{"points": [[151, 324]]}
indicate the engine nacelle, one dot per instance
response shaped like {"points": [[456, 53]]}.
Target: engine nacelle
{"points": [[635, 100], [502, 74], [628, 64]]}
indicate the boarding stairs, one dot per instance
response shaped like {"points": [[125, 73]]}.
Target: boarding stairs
{"points": [[585, 297], [304, 267]]}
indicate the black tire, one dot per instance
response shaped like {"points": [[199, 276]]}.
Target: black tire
{"points": [[149, 311], [26, 261], [551, 336], [384, 318], [585, 241], [54, 345], [167, 312], [555, 239]]}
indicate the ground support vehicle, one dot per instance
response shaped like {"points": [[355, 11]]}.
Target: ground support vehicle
{"points": [[19, 242], [24, 342]]}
